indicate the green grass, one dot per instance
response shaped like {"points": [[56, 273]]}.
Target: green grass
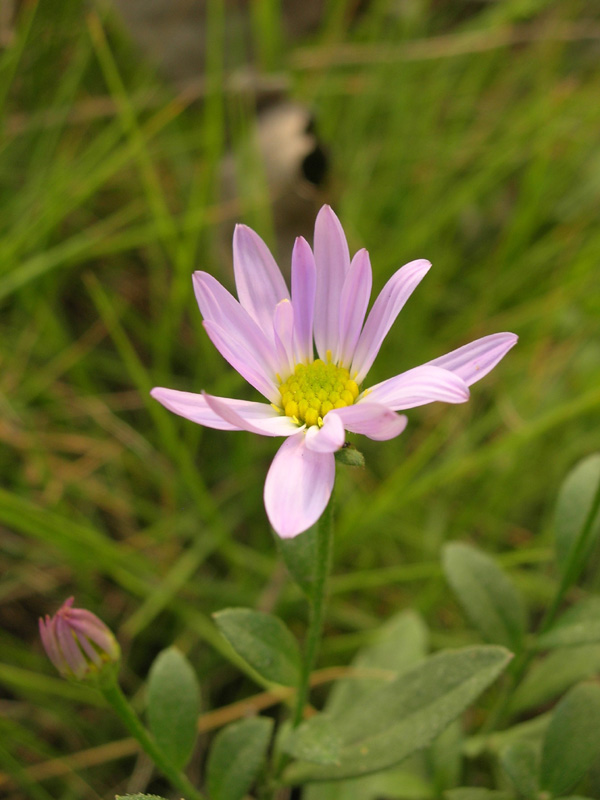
{"points": [[462, 133]]}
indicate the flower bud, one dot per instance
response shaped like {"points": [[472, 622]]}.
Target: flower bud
{"points": [[77, 642]]}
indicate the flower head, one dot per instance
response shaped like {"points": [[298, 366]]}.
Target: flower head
{"points": [[270, 335], [77, 642]]}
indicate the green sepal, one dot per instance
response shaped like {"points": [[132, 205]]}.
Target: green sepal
{"points": [[350, 456]]}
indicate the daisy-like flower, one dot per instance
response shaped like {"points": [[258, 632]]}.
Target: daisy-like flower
{"points": [[267, 336], [77, 642]]}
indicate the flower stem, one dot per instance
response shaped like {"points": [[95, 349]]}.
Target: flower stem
{"points": [[120, 704], [317, 607]]}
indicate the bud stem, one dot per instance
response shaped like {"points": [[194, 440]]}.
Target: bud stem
{"points": [[129, 718]]}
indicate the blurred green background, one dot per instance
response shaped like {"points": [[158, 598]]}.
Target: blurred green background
{"points": [[464, 132]]}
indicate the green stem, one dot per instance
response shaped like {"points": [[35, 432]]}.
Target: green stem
{"points": [[120, 704], [317, 607]]}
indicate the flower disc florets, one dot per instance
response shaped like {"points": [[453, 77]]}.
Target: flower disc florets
{"points": [[314, 389]]}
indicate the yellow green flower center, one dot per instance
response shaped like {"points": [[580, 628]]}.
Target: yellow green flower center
{"points": [[315, 389]]}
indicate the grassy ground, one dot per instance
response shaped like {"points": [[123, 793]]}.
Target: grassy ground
{"points": [[463, 133]]}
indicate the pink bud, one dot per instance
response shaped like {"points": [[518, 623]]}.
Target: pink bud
{"points": [[77, 642]]}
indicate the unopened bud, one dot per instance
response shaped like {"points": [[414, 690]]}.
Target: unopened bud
{"points": [[77, 642]]}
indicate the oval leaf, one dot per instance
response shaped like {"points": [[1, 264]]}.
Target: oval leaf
{"points": [[476, 793], [317, 740], [236, 757], [406, 715], [300, 556], [579, 625], [263, 641], [488, 597], [573, 510], [521, 762], [552, 676], [398, 645], [173, 705], [572, 741]]}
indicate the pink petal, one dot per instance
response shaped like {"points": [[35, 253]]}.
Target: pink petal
{"points": [[386, 308], [328, 438], [69, 649], [304, 284], [258, 279], [371, 419], [89, 650], [254, 417], [418, 386], [333, 262], [193, 407], [48, 635], [472, 361], [298, 487], [243, 360], [283, 330], [218, 306], [353, 306]]}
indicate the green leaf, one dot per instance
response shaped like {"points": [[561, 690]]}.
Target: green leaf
{"points": [[553, 675], [300, 556], [237, 754], [521, 762], [579, 625], [406, 715], [393, 784], [398, 644], [173, 705], [572, 741], [316, 740], [445, 757], [574, 506], [472, 793], [263, 641], [488, 597], [138, 796]]}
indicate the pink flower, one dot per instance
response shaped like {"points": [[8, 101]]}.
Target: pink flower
{"points": [[268, 338], [77, 642]]}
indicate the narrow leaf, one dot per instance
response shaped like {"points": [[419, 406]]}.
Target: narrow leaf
{"points": [[263, 641], [575, 509], [572, 741], [488, 597], [173, 705], [406, 715], [237, 754]]}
